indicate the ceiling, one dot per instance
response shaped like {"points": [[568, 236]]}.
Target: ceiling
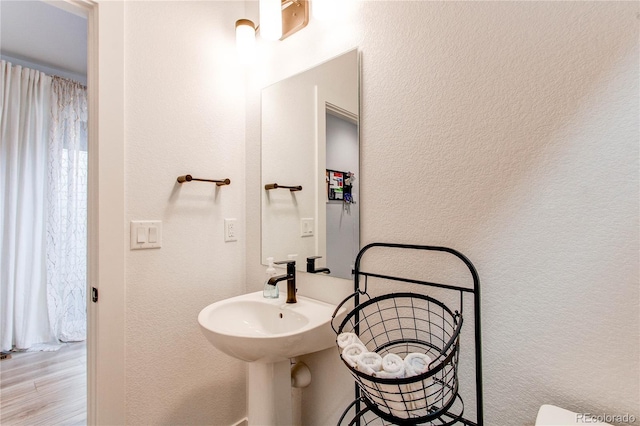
{"points": [[43, 34]]}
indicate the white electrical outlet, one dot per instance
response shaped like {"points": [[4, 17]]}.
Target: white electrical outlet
{"points": [[230, 230]]}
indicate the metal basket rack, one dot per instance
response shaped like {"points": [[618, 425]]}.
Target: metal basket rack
{"points": [[406, 323]]}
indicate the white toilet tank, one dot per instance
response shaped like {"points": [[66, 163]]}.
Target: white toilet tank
{"points": [[550, 415]]}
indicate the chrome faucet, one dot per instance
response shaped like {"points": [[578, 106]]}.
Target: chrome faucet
{"points": [[311, 266], [290, 276]]}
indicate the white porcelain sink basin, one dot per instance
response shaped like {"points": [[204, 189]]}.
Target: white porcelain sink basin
{"points": [[252, 328]]}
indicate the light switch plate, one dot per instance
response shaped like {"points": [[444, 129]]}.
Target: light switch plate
{"points": [[306, 227], [143, 232]]}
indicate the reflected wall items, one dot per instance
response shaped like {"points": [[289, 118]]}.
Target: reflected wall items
{"points": [[339, 186]]}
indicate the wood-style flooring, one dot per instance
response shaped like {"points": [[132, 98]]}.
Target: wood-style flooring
{"points": [[45, 388]]}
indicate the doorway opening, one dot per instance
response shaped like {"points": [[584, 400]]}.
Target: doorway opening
{"points": [[53, 42], [342, 208]]}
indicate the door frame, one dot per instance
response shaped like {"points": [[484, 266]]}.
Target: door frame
{"points": [[105, 207]]}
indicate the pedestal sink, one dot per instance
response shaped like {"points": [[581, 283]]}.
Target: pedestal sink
{"points": [[267, 333]]}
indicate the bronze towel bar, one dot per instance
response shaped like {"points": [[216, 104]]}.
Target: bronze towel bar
{"points": [[189, 178], [276, 186]]}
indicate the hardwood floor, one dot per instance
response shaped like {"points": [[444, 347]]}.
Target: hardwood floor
{"points": [[44, 388]]}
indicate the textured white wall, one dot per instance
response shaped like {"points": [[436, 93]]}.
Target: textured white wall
{"points": [[516, 127], [184, 114]]}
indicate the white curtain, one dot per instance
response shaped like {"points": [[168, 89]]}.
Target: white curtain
{"points": [[43, 160], [67, 212], [24, 114]]}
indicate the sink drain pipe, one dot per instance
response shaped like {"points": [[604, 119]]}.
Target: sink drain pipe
{"points": [[300, 375]]}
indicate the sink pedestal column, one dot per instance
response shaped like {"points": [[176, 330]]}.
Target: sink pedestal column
{"points": [[269, 394]]}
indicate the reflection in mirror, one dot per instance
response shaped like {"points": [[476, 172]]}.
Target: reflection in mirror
{"points": [[310, 131]]}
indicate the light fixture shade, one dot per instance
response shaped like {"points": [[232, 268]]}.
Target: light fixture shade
{"points": [[323, 9], [271, 19], [245, 41]]}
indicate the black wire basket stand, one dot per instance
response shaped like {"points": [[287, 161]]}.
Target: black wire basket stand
{"points": [[406, 323], [358, 413]]}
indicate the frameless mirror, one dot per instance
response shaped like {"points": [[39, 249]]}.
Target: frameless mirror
{"points": [[310, 168]]}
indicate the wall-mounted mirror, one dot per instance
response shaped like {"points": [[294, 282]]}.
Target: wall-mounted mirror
{"points": [[310, 128]]}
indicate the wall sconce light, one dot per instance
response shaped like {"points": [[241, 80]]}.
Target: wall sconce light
{"points": [[245, 41], [295, 16], [271, 19], [278, 20]]}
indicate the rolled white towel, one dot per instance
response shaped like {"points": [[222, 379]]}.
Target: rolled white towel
{"points": [[351, 352], [345, 339], [393, 367], [416, 364], [369, 363], [419, 394], [391, 397]]}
